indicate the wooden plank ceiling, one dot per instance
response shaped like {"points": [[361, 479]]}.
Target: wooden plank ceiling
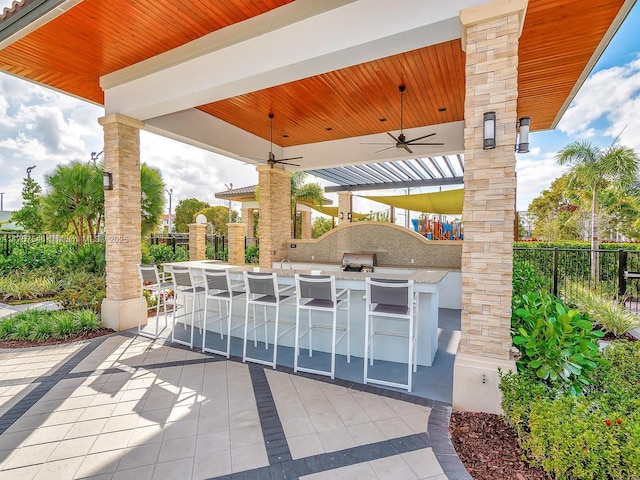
{"points": [[98, 37]]}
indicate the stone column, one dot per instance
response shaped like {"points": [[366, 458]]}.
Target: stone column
{"points": [[197, 241], [345, 207], [236, 243], [490, 34], [122, 221], [247, 219], [306, 225], [275, 213]]}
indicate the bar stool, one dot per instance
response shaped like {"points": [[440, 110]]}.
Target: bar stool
{"points": [[155, 283], [392, 300], [218, 287], [262, 289], [318, 293], [185, 283]]}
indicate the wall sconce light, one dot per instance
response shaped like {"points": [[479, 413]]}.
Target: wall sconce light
{"points": [[522, 142], [349, 216], [341, 215], [489, 130], [107, 180]]}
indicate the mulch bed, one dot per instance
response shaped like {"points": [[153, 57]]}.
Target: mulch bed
{"points": [[489, 449], [84, 336]]}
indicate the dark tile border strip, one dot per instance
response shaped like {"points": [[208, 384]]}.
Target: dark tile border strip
{"points": [[63, 372], [329, 461], [275, 440], [438, 431]]}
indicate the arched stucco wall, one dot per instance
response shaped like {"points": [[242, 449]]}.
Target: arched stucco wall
{"points": [[393, 245]]}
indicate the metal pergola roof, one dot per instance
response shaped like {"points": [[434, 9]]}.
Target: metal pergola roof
{"points": [[417, 172]]}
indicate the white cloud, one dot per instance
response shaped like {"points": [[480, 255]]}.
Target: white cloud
{"points": [[611, 97], [535, 172]]}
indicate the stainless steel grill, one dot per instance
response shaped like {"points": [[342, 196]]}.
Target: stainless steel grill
{"points": [[358, 262]]}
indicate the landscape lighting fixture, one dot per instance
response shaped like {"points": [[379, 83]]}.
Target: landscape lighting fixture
{"points": [[341, 215], [489, 130], [522, 142], [107, 180]]}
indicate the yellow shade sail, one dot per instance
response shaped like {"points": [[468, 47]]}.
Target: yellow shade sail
{"points": [[448, 202], [331, 211]]}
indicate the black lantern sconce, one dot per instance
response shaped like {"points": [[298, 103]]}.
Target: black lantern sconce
{"points": [[349, 216], [489, 130], [341, 215], [522, 138], [107, 180]]}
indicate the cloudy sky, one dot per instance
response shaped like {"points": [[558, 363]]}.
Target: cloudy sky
{"points": [[44, 128]]}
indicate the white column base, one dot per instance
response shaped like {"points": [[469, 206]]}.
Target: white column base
{"points": [[475, 383], [121, 314]]}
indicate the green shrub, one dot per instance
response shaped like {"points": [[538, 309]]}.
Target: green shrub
{"points": [[83, 290], [581, 437], [42, 330], [21, 285], [223, 255], [90, 257], [163, 253], [604, 310], [27, 257], [64, 325], [559, 344], [252, 254], [88, 320], [8, 326]]}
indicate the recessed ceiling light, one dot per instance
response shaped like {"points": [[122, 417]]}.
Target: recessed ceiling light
{"points": [[383, 119], [328, 129], [442, 109], [285, 136]]}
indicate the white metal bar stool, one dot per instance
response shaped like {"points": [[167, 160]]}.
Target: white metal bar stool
{"points": [[218, 288], [318, 293], [262, 290], [154, 283], [185, 284], [392, 300]]}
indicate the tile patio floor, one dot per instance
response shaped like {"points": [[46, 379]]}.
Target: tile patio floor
{"points": [[122, 407]]}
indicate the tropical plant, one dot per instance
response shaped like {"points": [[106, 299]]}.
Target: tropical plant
{"points": [[218, 217], [152, 201], [558, 343], [90, 257], [604, 310], [596, 169], [320, 226], [30, 215], [75, 200], [301, 192]]}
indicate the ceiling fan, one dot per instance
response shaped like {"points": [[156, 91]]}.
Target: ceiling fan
{"points": [[272, 158], [401, 140]]}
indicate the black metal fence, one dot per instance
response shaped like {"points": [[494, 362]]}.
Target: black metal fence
{"points": [[217, 246], [566, 270]]}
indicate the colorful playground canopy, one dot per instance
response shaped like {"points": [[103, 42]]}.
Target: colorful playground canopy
{"points": [[448, 202]]}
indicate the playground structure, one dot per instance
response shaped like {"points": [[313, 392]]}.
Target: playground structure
{"points": [[437, 227]]}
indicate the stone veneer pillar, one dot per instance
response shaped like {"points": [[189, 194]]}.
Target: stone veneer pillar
{"points": [[197, 241], [306, 225], [345, 207], [122, 221], [247, 219], [275, 213], [236, 243], [490, 35]]}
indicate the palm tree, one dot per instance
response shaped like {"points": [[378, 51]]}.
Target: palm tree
{"points": [[597, 169], [301, 191]]}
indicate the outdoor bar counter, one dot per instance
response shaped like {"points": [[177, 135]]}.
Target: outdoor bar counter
{"points": [[427, 283]]}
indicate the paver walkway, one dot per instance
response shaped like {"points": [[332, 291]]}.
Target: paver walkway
{"points": [[123, 406]]}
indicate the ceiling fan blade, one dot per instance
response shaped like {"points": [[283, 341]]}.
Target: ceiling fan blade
{"points": [[394, 138], [407, 148], [392, 146], [410, 143], [287, 159], [375, 143], [287, 163], [420, 138]]}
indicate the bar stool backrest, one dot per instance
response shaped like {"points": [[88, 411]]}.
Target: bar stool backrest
{"points": [[217, 280], [148, 274], [261, 283], [319, 287], [182, 277], [398, 293]]}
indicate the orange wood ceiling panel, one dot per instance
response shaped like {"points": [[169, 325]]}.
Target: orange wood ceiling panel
{"points": [[352, 101], [97, 37], [557, 42]]}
